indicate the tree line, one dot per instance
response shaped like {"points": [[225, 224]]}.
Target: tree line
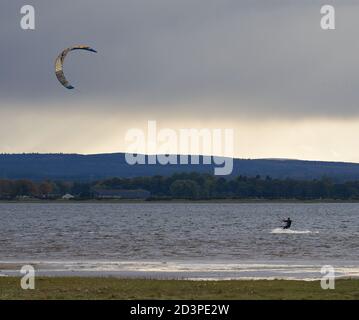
{"points": [[194, 186]]}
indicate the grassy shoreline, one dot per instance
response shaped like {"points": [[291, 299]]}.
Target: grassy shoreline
{"points": [[79, 288], [212, 201]]}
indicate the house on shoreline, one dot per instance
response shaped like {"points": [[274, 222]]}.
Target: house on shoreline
{"points": [[67, 196]]}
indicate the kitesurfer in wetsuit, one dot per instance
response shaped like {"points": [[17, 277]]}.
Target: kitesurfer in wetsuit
{"points": [[288, 223]]}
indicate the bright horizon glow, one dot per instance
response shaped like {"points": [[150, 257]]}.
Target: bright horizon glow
{"points": [[93, 132]]}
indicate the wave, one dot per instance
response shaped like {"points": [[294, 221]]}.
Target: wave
{"points": [[190, 270], [291, 231]]}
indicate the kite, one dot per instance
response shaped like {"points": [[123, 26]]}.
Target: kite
{"points": [[59, 64]]}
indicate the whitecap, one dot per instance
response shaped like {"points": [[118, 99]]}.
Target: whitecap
{"points": [[291, 231]]}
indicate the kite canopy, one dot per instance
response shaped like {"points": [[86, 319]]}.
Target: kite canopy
{"points": [[59, 64]]}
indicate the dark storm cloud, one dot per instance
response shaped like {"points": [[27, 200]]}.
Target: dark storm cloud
{"points": [[221, 57]]}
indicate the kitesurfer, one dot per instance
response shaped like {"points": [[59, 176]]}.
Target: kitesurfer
{"points": [[288, 223]]}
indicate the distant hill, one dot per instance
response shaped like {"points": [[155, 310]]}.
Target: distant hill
{"points": [[99, 166]]}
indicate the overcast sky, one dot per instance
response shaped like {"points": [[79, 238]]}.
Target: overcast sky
{"points": [[263, 67]]}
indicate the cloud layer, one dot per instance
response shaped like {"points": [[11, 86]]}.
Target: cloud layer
{"points": [[248, 58]]}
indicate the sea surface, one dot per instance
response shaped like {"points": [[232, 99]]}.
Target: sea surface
{"points": [[180, 240]]}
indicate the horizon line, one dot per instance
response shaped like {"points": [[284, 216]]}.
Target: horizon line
{"points": [[189, 155]]}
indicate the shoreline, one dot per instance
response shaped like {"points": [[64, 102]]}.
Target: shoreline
{"points": [[183, 270], [180, 201], [101, 288]]}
